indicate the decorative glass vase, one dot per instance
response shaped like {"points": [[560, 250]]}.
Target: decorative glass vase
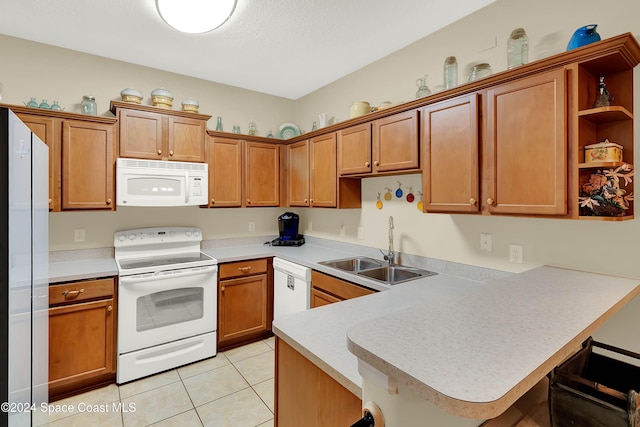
{"points": [[423, 89], [219, 124]]}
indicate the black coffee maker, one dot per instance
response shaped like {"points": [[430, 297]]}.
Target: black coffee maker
{"points": [[288, 224]]}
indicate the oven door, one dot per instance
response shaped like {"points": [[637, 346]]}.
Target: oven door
{"points": [[156, 308]]}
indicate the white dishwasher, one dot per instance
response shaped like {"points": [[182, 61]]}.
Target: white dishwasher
{"points": [[291, 287]]}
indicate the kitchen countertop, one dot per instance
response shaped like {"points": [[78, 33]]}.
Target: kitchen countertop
{"points": [[474, 352], [471, 347]]}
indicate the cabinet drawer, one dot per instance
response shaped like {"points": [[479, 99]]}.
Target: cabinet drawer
{"points": [[80, 291], [337, 287], [242, 268]]}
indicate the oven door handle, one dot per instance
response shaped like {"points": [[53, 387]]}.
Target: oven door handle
{"points": [[148, 277]]}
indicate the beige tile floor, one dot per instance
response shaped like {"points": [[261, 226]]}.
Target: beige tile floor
{"points": [[233, 389]]}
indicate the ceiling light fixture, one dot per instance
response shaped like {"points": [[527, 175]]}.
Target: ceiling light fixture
{"points": [[195, 16]]}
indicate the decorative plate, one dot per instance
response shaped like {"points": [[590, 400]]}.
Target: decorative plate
{"points": [[288, 130]]}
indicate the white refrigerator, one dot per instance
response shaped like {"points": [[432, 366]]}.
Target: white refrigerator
{"points": [[24, 248]]}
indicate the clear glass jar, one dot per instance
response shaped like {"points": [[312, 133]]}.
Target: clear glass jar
{"points": [[219, 124], [423, 89], [252, 127], [450, 72], [517, 48], [88, 105], [479, 71]]}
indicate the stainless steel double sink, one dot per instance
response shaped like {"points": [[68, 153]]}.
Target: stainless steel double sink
{"points": [[378, 270]]}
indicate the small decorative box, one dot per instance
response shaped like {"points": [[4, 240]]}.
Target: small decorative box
{"points": [[604, 151]]}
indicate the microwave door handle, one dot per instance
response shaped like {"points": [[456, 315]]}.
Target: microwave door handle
{"points": [[187, 187]]}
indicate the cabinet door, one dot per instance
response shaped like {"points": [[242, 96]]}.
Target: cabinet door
{"points": [[320, 298], [243, 308], [88, 165], [140, 134], [395, 142], [450, 180], [354, 150], [298, 193], [81, 342], [186, 139], [225, 176], [323, 171], [48, 130], [526, 146], [262, 174]]}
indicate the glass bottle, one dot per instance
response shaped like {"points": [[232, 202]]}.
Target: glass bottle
{"points": [[423, 89], [88, 105], [314, 126], [450, 72], [252, 127], [219, 124], [479, 71], [44, 105], [32, 103], [517, 48], [603, 97]]}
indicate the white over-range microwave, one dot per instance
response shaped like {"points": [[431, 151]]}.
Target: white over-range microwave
{"points": [[161, 183]]}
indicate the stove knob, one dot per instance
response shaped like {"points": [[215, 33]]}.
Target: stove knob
{"points": [[122, 237], [196, 233], [188, 233], [131, 236]]}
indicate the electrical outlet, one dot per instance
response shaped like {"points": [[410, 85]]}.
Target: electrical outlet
{"points": [[360, 233], [342, 230], [515, 254], [252, 226], [486, 242], [78, 235]]}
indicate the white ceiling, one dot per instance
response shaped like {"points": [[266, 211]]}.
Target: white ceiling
{"points": [[287, 48]]}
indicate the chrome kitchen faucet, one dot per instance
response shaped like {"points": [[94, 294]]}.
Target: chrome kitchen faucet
{"points": [[391, 255]]}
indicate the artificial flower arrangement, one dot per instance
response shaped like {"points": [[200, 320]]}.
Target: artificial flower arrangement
{"points": [[602, 195]]}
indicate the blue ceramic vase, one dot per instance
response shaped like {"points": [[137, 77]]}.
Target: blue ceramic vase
{"points": [[584, 36]]}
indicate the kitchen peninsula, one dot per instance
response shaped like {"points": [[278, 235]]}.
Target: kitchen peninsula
{"points": [[455, 352]]}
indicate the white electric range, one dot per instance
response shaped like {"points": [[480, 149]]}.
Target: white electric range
{"points": [[167, 300]]}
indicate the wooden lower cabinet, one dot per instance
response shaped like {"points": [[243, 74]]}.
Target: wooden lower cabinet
{"points": [[82, 336], [245, 302], [306, 396], [327, 289]]}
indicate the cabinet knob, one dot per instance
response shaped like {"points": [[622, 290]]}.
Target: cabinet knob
{"points": [[110, 308], [490, 201], [159, 152], [306, 200], [171, 153], [72, 294], [213, 201], [50, 200], [376, 163], [472, 201], [248, 201], [367, 164], [222, 289], [310, 200], [108, 201]]}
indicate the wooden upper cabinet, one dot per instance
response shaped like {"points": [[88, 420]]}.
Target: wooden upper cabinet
{"points": [[323, 171], [450, 143], [225, 172], [526, 146], [354, 150], [298, 168], [262, 174], [395, 144], [88, 165], [48, 130], [186, 139], [140, 134], [152, 133]]}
